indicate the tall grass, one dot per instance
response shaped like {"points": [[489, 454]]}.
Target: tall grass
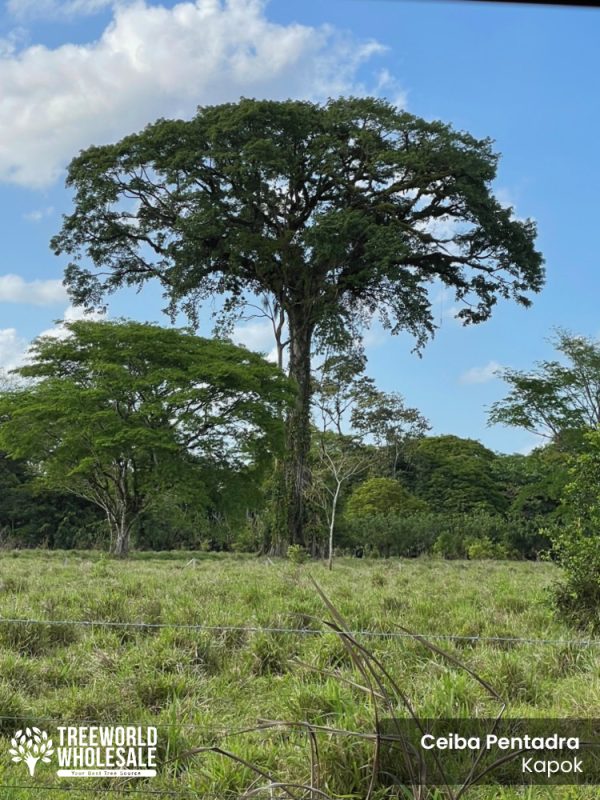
{"points": [[203, 688]]}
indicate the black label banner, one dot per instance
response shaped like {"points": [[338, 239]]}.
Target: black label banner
{"points": [[487, 752]]}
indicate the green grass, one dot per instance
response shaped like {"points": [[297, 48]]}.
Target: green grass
{"points": [[200, 687]]}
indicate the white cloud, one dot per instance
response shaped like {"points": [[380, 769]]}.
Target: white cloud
{"points": [[257, 336], [10, 43], [39, 214], [254, 335], [481, 374], [14, 289], [13, 348], [153, 61]]}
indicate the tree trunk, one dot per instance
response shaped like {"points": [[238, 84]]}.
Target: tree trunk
{"points": [[122, 529], [298, 426], [122, 542], [334, 503]]}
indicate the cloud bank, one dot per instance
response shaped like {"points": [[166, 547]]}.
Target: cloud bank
{"points": [[153, 61], [14, 289]]}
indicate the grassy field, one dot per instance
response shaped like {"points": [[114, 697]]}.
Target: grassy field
{"points": [[201, 687]]}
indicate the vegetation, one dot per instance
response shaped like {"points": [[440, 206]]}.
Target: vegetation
{"points": [[202, 686], [122, 413], [382, 496], [561, 400], [120, 435], [328, 212]]}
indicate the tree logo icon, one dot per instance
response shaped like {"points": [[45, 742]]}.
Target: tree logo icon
{"points": [[31, 745]]}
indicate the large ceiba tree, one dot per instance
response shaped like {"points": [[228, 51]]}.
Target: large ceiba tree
{"points": [[336, 213]]}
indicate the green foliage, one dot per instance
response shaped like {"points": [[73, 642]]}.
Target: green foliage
{"points": [[483, 535], [267, 155], [456, 475], [297, 554], [122, 413], [556, 399], [577, 596], [390, 534], [382, 496], [384, 418], [34, 517], [324, 209], [448, 535], [485, 548], [534, 484], [577, 546]]}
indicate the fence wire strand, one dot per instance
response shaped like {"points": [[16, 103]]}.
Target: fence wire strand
{"points": [[298, 631]]}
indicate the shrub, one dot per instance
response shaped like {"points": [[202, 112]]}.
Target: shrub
{"points": [[577, 546], [577, 598], [485, 548], [390, 534], [452, 536], [297, 554]]}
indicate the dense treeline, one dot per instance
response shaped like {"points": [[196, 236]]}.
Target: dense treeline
{"points": [[453, 497], [122, 432]]}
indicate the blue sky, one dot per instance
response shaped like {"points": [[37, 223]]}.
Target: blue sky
{"points": [[79, 72]]}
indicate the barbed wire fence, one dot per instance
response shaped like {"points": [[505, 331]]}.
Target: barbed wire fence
{"points": [[265, 793], [301, 631]]}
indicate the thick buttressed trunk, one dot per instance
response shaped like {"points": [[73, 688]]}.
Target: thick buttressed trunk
{"points": [[298, 428]]}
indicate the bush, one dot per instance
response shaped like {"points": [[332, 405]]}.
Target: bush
{"points": [[485, 548], [452, 536], [577, 598], [577, 547], [390, 534], [297, 554]]}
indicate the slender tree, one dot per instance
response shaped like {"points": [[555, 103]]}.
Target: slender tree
{"points": [[389, 422], [337, 212], [339, 459]]}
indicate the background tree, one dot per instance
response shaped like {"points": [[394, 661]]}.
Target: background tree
{"points": [[339, 459], [31, 516], [558, 400], [391, 424], [457, 475], [338, 384], [382, 496], [121, 412], [534, 483], [337, 212]]}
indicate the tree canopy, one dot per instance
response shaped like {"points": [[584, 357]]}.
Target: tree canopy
{"points": [[337, 212], [454, 474], [119, 412], [382, 496], [558, 399]]}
